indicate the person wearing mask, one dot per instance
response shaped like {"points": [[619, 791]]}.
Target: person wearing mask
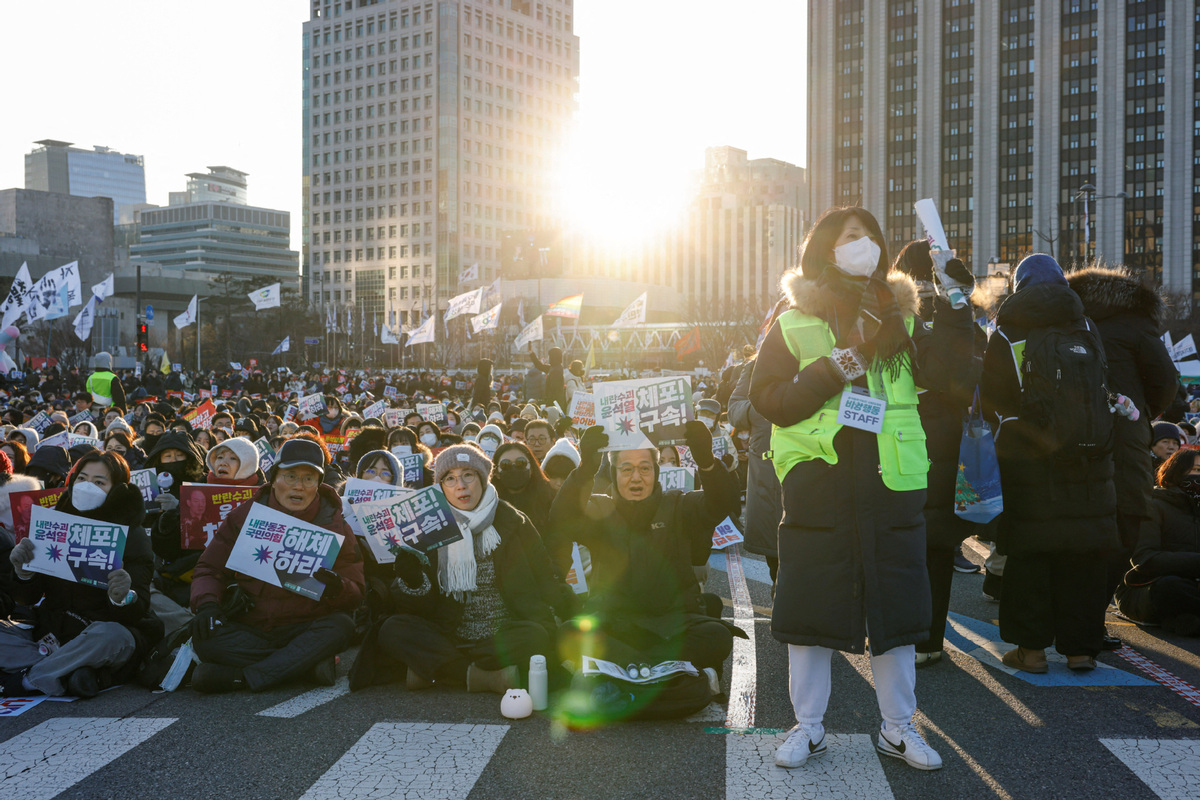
{"points": [[103, 385], [283, 636], [331, 421], [473, 612], [50, 465], [522, 484], [1044, 392], [644, 604], [1165, 439], [1163, 588], [852, 540], [101, 634], [490, 437], [539, 436], [668, 456], [428, 434]]}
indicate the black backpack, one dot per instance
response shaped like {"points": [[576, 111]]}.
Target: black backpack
{"points": [[1064, 394]]}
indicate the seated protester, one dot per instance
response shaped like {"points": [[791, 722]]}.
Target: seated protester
{"points": [[490, 437], [154, 427], [428, 434], [644, 600], [175, 460], [49, 465], [470, 432], [539, 436], [17, 454], [27, 437], [117, 441], [1164, 441], [331, 421], [668, 456], [283, 635], [402, 442], [412, 420], [11, 482], [86, 428], [561, 460], [1164, 585], [472, 612], [204, 439], [221, 434], [521, 483], [181, 425], [101, 634], [517, 429]]}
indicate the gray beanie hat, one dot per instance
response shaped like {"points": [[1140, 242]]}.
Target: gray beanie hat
{"points": [[462, 455]]}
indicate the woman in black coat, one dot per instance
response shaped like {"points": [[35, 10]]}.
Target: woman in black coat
{"points": [[1164, 585], [97, 636], [523, 485]]}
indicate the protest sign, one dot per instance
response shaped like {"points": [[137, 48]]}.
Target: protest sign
{"points": [[375, 409], [284, 551], [202, 509], [75, 549], [337, 444], [15, 706], [644, 413], [146, 480], [414, 466], [422, 520], [312, 405], [23, 502], [77, 439], [583, 409], [61, 439], [200, 418], [39, 422], [576, 578], [363, 491], [676, 478], [726, 534], [393, 417], [658, 673], [434, 412], [82, 416], [342, 389], [685, 458], [266, 454], [205, 394], [391, 391], [189, 397], [291, 413]]}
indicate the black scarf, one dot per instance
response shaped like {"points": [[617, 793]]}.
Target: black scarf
{"points": [[639, 514]]}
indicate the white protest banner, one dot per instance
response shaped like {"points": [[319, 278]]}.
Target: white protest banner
{"points": [[644, 413], [390, 392], [266, 454], [312, 405], [146, 480], [422, 520], [676, 478], [18, 296], [726, 534], [583, 409], [659, 672], [466, 303], [393, 417], [423, 333], [284, 551], [388, 336], [104, 289], [62, 439], [76, 439], [266, 297], [363, 491], [576, 578], [434, 412], [76, 549], [488, 320], [932, 222], [531, 333], [39, 422], [376, 409], [1183, 348], [633, 314], [1166, 339]]}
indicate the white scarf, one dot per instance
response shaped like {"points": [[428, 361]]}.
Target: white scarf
{"points": [[456, 562]]}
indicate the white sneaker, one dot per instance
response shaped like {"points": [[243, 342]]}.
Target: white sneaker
{"points": [[907, 744], [803, 741]]}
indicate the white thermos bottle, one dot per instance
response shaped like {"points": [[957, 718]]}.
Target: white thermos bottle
{"points": [[537, 683]]}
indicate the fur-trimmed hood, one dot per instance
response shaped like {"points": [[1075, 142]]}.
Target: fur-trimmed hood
{"points": [[809, 297], [1107, 291]]}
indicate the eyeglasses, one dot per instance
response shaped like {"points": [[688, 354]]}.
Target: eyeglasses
{"points": [[306, 479], [467, 478], [515, 463], [371, 472], [536, 439], [627, 470]]}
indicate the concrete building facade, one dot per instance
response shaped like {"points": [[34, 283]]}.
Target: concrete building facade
{"points": [[1060, 126], [56, 166]]}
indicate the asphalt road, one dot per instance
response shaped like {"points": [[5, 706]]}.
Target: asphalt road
{"points": [[999, 735]]}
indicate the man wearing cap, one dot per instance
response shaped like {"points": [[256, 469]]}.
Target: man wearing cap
{"points": [[104, 386], [283, 635]]}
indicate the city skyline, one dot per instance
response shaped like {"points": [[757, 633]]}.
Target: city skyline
{"points": [[642, 126]]}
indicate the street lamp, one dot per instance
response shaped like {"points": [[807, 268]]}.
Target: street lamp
{"points": [[1083, 192]]}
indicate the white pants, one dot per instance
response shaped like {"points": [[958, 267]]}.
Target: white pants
{"points": [[894, 672]]}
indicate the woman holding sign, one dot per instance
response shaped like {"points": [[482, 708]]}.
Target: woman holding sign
{"points": [[84, 637], [838, 375]]}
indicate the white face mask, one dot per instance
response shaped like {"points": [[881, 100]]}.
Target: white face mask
{"points": [[859, 258], [87, 496], [429, 439], [402, 450], [489, 445]]}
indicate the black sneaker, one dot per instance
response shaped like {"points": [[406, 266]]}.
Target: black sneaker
{"points": [[325, 672], [217, 678], [12, 685], [964, 564], [83, 683], [992, 584]]}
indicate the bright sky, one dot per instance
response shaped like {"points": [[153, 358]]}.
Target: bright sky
{"points": [[189, 84]]}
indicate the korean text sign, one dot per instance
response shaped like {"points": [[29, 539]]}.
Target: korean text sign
{"points": [[75, 548], [202, 509], [284, 551], [422, 520], [644, 413]]}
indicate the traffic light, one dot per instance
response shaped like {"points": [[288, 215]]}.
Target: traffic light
{"points": [[141, 338]]}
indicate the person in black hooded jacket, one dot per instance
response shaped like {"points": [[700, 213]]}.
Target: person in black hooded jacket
{"points": [[555, 390], [1130, 316], [100, 634], [482, 393], [177, 456]]}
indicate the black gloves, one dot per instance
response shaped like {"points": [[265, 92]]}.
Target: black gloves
{"points": [[208, 620], [956, 270], [409, 566], [332, 581], [699, 441], [590, 443]]}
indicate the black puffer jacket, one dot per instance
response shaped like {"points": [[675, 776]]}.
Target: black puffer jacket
{"points": [[1049, 506], [763, 505], [1168, 545], [555, 390], [1130, 318]]}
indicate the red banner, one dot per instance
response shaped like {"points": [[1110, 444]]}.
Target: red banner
{"points": [[202, 509], [201, 418], [22, 504]]}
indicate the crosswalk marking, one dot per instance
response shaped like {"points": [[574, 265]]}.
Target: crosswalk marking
{"points": [[55, 755], [849, 768], [1170, 767], [755, 570], [417, 760], [743, 674], [307, 701]]}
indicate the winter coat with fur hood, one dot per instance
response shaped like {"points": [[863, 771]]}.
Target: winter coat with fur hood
{"points": [[851, 551], [1130, 318]]}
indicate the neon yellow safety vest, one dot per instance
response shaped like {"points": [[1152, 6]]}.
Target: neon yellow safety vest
{"points": [[902, 455], [99, 384]]}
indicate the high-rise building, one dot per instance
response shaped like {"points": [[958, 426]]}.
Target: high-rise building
{"points": [[1059, 126], [218, 185], [430, 130], [56, 166]]}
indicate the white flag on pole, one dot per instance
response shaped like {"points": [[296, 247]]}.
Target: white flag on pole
{"points": [[488, 320], [104, 289], [284, 346], [470, 273], [85, 318], [425, 332], [491, 295], [1183, 348], [466, 303], [532, 333], [266, 297], [634, 314], [388, 336], [18, 296], [188, 316]]}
